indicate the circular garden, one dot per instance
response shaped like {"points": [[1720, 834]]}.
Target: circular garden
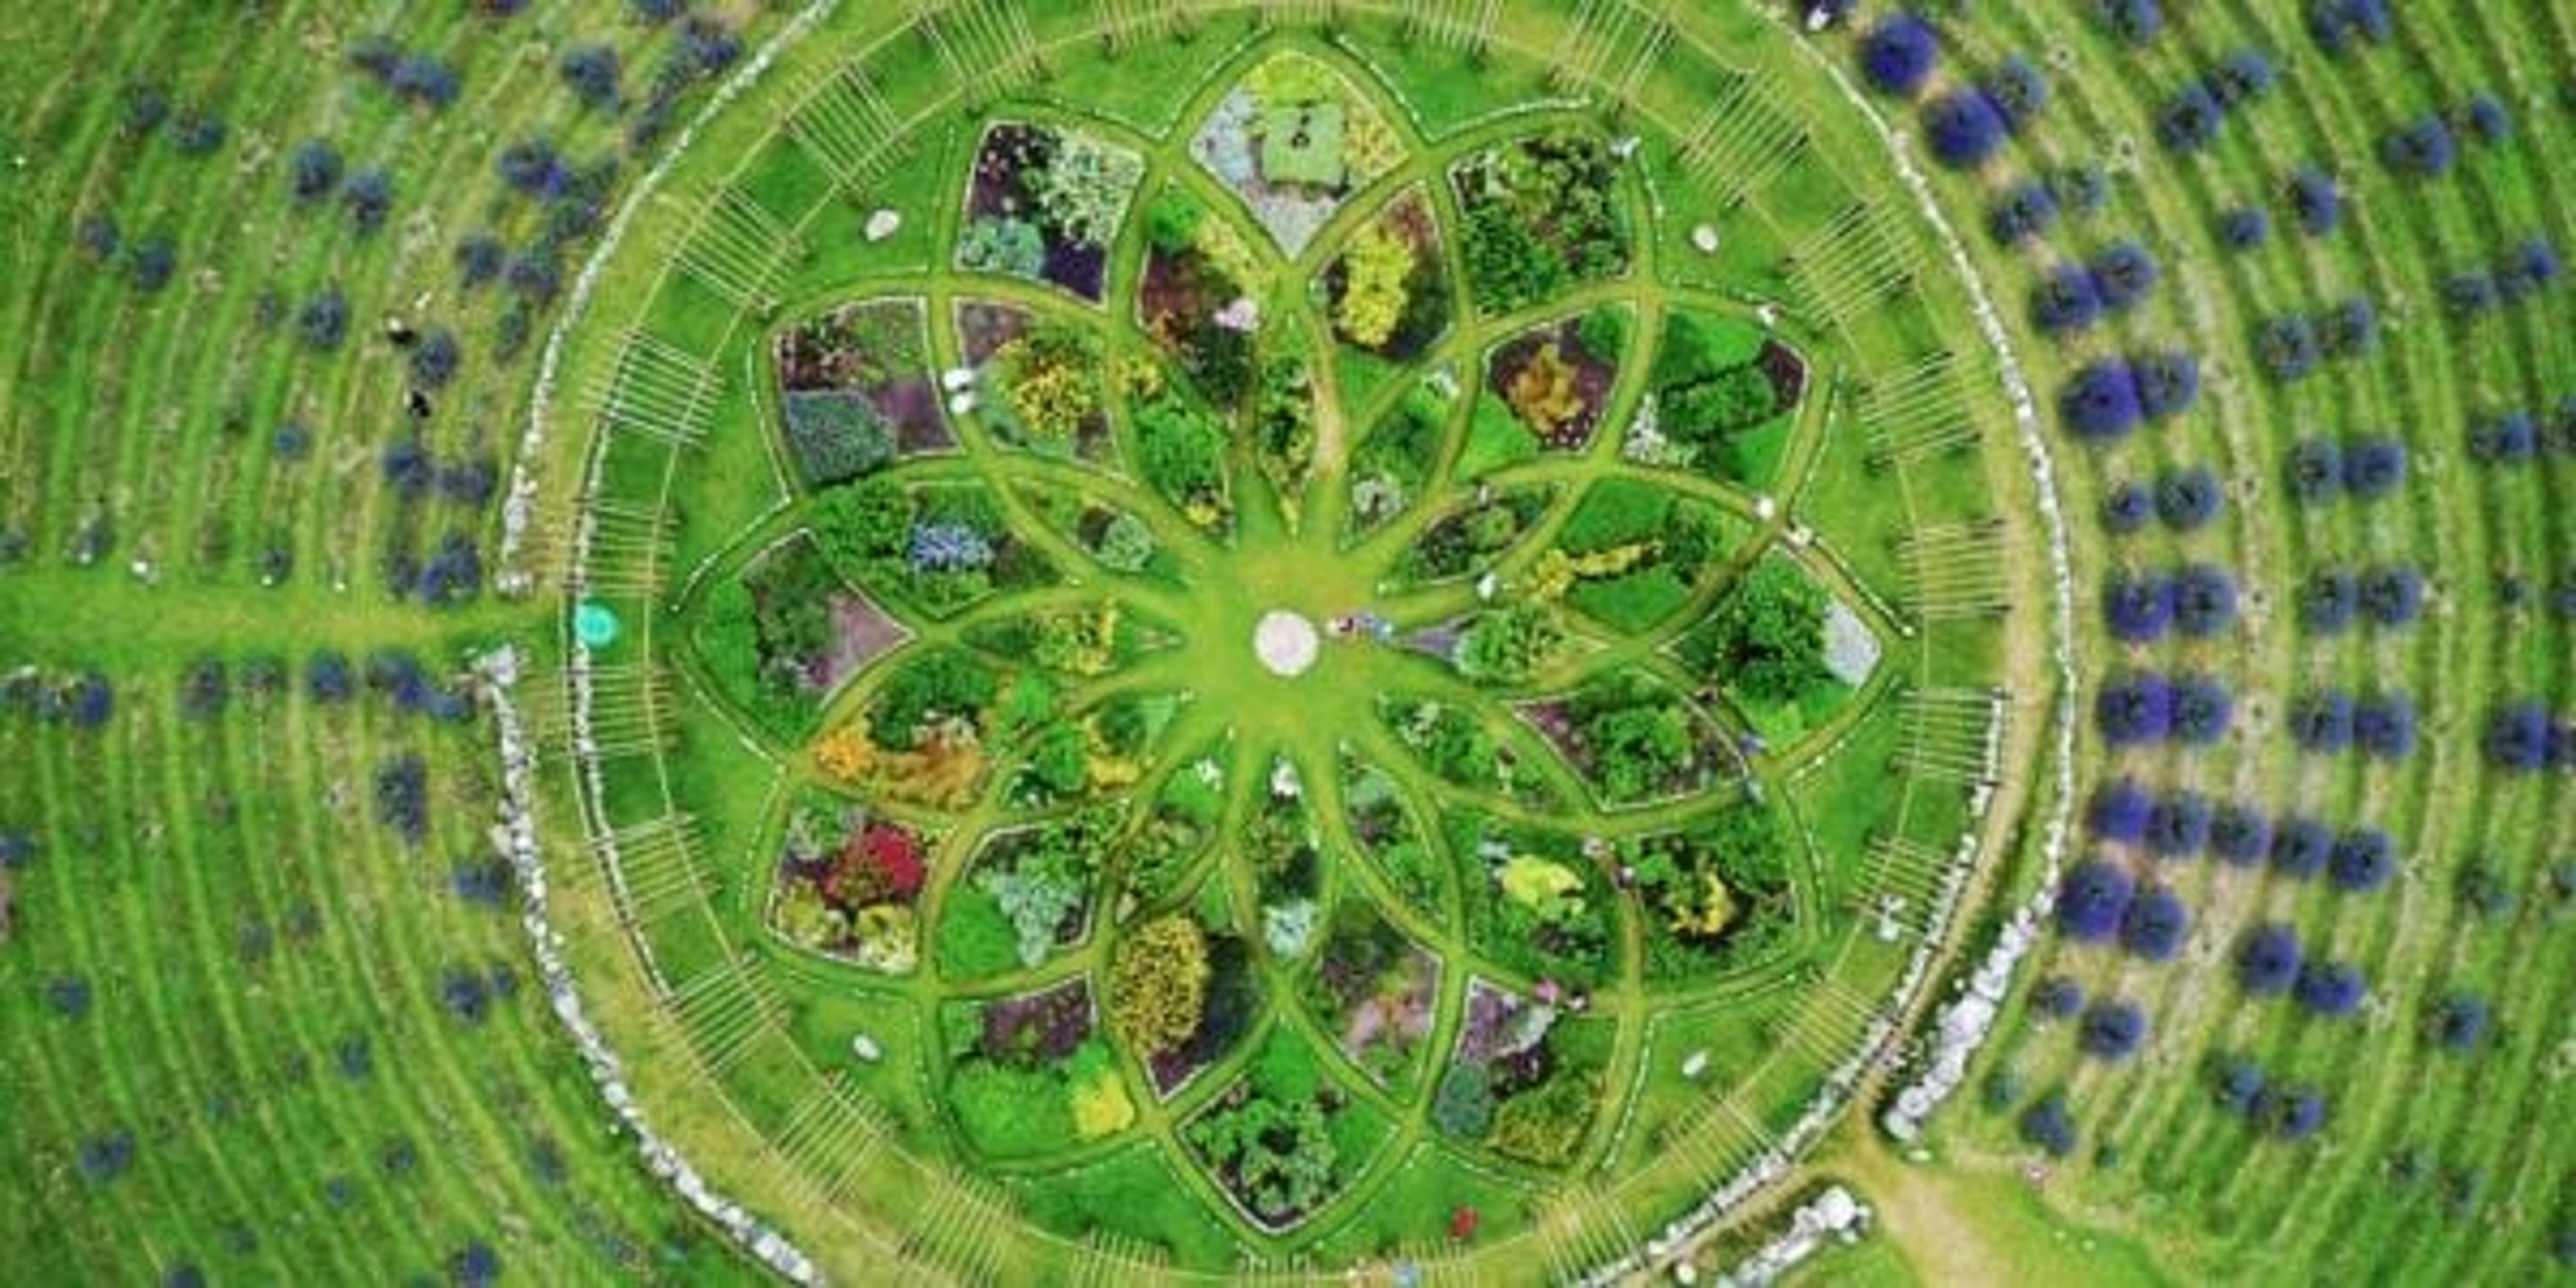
{"points": [[1001, 642], [1278, 645]]}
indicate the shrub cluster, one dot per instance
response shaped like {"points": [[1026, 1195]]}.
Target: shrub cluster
{"points": [[2523, 271], [2148, 707], [2334, 597], [2073, 297], [2337, 24], [2192, 115], [420, 79], [2363, 467], [82, 699], [2522, 737], [2184, 498], [2330, 720], [1965, 126], [2292, 346], [2110, 397], [2195, 601]]}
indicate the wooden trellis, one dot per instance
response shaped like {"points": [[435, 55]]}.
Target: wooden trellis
{"points": [[983, 45], [1642, 63], [656, 866], [1598, 27], [659, 391], [629, 549], [738, 249], [847, 126], [1741, 142], [1916, 872], [1716, 1138], [1288, 1271], [829, 1141], [1583, 1228], [1830, 1027], [1125, 24], [1119, 1261], [1853, 263], [1308, 12], [1955, 571], [953, 1240], [1917, 413], [1464, 26], [721, 1013], [1951, 735], [626, 706]]}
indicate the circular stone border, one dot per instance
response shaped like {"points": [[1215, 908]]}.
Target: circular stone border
{"points": [[1884, 1030]]}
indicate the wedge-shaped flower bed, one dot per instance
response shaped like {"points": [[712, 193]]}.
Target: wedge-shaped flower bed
{"points": [[1046, 204]]}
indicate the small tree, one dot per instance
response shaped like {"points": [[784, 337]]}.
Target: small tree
{"points": [[2093, 901], [591, 71], [314, 171], [1897, 54], [1766, 638]]}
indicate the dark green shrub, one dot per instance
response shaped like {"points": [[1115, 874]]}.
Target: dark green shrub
{"points": [[1464, 1105], [835, 435]]}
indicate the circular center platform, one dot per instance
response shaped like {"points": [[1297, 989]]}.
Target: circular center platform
{"points": [[1285, 642]]}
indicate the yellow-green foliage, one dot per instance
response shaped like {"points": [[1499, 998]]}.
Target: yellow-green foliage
{"points": [[1373, 293], [1545, 1125], [1100, 1105], [1556, 571], [1079, 643], [1710, 915], [1292, 79], [1232, 256], [886, 939], [1158, 983], [1051, 388], [1370, 146], [1543, 886]]}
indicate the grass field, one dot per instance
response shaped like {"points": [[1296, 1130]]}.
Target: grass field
{"points": [[354, 343]]}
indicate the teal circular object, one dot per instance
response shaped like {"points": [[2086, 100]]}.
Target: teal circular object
{"points": [[595, 625]]}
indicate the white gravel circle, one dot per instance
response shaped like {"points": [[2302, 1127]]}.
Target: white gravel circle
{"points": [[1285, 642]]}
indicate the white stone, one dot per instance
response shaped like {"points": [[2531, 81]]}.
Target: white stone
{"points": [[883, 224], [960, 404], [957, 379], [1837, 1209], [1704, 237], [1242, 316], [1285, 642], [865, 1050], [1764, 507], [1695, 1064]]}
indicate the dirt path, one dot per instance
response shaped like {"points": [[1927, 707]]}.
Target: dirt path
{"points": [[1919, 1215], [1968, 1222]]}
